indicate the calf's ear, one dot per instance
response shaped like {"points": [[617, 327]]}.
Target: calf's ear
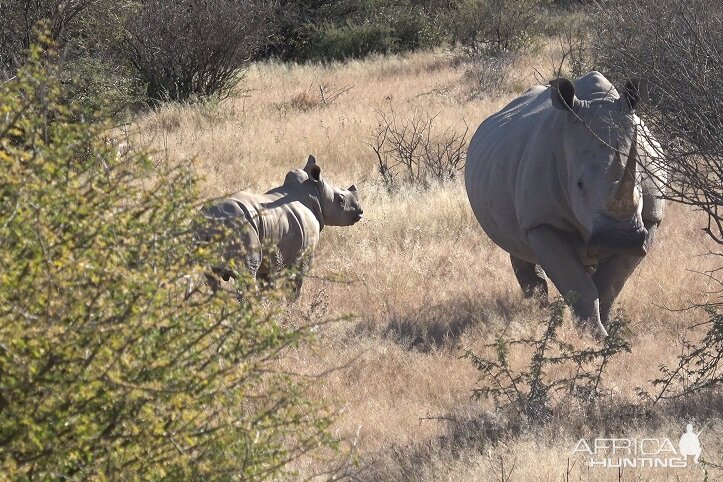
{"points": [[313, 169], [352, 188]]}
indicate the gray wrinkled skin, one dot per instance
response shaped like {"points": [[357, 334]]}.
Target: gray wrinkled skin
{"points": [[557, 182], [280, 229]]}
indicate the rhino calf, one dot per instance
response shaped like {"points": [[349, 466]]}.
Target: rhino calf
{"points": [[279, 229], [568, 180]]}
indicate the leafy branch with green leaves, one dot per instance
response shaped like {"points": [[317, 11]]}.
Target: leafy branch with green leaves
{"points": [[110, 366]]}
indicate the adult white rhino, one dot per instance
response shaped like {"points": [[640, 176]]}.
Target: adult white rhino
{"points": [[554, 179], [281, 228]]}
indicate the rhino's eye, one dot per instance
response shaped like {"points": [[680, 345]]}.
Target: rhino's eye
{"points": [[580, 184]]}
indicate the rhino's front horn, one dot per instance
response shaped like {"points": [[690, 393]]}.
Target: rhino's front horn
{"points": [[625, 200], [311, 160]]}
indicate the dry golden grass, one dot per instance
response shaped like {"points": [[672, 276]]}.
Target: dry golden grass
{"points": [[422, 279]]}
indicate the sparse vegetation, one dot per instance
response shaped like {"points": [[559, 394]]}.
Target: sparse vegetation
{"points": [[315, 97], [700, 367], [577, 52], [182, 50], [532, 394], [412, 151], [489, 76]]}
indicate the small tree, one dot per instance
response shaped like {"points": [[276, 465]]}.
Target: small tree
{"points": [[113, 366], [194, 48], [675, 45], [496, 27], [684, 71], [18, 19], [414, 152]]}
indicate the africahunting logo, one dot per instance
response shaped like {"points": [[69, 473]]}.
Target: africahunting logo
{"points": [[642, 452]]}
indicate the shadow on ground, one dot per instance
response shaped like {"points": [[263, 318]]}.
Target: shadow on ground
{"points": [[471, 431], [442, 325]]}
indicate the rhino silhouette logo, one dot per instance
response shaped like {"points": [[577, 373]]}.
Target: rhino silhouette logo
{"points": [[690, 444]]}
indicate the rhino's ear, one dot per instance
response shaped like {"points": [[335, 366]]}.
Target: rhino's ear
{"points": [[634, 92], [562, 91], [313, 169], [352, 188]]}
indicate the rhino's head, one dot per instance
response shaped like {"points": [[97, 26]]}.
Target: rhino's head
{"points": [[598, 144], [339, 207]]}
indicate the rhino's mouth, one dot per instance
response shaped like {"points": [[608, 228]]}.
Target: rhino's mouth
{"points": [[618, 238]]}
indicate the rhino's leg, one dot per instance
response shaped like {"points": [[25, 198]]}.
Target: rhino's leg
{"points": [[269, 268], [531, 277], [611, 275], [264, 279], [217, 274], [652, 227], [303, 268], [240, 242], [563, 266], [247, 249], [251, 251]]}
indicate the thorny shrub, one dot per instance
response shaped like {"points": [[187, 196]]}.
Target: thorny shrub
{"points": [[412, 151], [111, 365], [675, 47], [534, 392]]}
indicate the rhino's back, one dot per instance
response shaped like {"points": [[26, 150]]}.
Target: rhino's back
{"points": [[226, 220], [287, 229], [494, 162]]}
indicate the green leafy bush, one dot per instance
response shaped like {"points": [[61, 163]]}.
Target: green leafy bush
{"points": [[113, 364], [324, 30], [332, 42], [496, 27]]}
